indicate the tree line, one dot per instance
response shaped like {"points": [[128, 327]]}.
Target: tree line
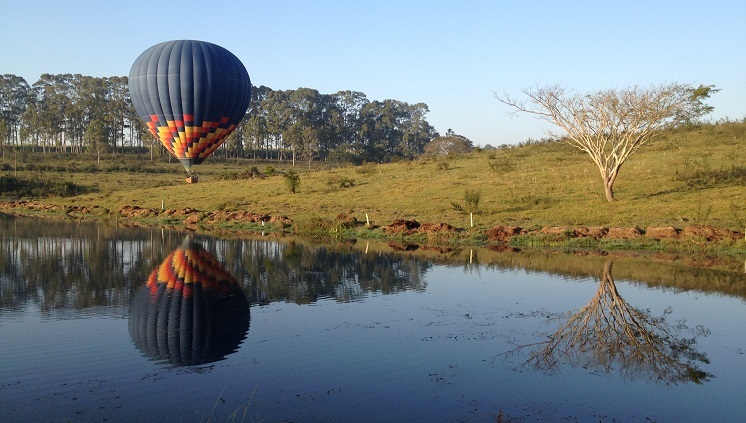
{"points": [[78, 113]]}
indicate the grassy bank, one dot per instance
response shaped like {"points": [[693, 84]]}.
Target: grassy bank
{"points": [[690, 176]]}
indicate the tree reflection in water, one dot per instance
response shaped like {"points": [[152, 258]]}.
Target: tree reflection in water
{"points": [[609, 335], [191, 310]]}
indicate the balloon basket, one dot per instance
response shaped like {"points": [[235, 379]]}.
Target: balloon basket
{"points": [[192, 179]]}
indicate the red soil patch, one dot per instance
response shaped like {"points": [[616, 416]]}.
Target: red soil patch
{"points": [[503, 233]]}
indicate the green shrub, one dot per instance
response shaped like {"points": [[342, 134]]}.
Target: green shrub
{"points": [[20, 187], [471, 200], [254, 171], [292, 180], [314, 227], [337, 181]]}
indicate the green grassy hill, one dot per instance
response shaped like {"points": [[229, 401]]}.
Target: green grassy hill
{"points": [[689, 176]]}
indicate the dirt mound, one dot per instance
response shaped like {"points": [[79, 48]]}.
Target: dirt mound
{"points": [[591, 231], [409, 227], [557, 230], [661, 232], [402, 226], [193, 219], [187, 211], [192, 216], [436, 227], [281, 221], [624, 233], [710, 233], [241, 216], [503, 233], [347, 220], [135, 212]]}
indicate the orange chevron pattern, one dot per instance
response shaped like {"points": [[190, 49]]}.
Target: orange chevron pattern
{"points": [[185, 140], [185, 267]]}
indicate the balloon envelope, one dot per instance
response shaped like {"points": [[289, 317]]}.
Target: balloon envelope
{"points": [[191, 95], [191, 310]]}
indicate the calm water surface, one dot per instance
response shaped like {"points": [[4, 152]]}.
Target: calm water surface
{"points": [[99, 323]]}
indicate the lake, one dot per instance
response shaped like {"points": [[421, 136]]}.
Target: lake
{"points": [[100, 322]]}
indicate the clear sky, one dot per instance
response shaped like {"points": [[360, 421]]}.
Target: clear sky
{"points": [[450, 54]]}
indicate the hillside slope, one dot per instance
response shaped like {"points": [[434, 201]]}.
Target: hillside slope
{"points": [[690, 176]]}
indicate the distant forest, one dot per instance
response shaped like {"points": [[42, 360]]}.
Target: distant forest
{"points": [[78, 113]]}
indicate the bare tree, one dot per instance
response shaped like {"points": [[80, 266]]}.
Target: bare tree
{"points": [[611, 125], [608, 334]]}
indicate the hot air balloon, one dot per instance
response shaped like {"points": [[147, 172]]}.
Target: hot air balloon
{"points": [[191, 310], [191, 95]]}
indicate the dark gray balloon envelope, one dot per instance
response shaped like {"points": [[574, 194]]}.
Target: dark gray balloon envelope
{"points": [[191, 95]]}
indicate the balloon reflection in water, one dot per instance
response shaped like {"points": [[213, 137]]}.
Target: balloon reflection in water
{"points": [[190, 311]]}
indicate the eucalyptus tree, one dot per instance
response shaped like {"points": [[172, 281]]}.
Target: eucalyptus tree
{"points": [[393, 128], [278, 120], [14, 93], [119, 110], [88, 112], [255, 121], [305, 111], [52, 99], [97, 132], [379, 129], [330, 126], [611, 125], [350, 105], [417, 131], [76, 116]]}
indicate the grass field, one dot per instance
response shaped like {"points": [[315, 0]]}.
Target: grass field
{"points": [[690, 176]]}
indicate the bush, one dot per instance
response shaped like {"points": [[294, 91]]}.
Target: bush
{"points": [[253, 172], [292, 180], [19, 187], [336, 181], [471, 199]]}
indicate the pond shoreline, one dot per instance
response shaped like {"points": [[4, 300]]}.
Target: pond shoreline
{"points": [[707, 242]]}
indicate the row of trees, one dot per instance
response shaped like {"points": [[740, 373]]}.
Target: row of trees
{"points": [[82, 113], [71, 112], [344, 126]]}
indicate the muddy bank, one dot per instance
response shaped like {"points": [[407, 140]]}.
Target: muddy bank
{"points": [[704, 232], [498, 237]]}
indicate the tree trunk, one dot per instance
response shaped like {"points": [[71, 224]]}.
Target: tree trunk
{"points": [[609, 188]]}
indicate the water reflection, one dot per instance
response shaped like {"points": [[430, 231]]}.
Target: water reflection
{"points": [[609, 335], [191, 310]]}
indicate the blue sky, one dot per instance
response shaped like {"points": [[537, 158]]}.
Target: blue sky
{"points": [[451, 55]]}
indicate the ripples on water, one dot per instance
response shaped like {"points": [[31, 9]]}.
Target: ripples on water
{"points": [[103, 323]]}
